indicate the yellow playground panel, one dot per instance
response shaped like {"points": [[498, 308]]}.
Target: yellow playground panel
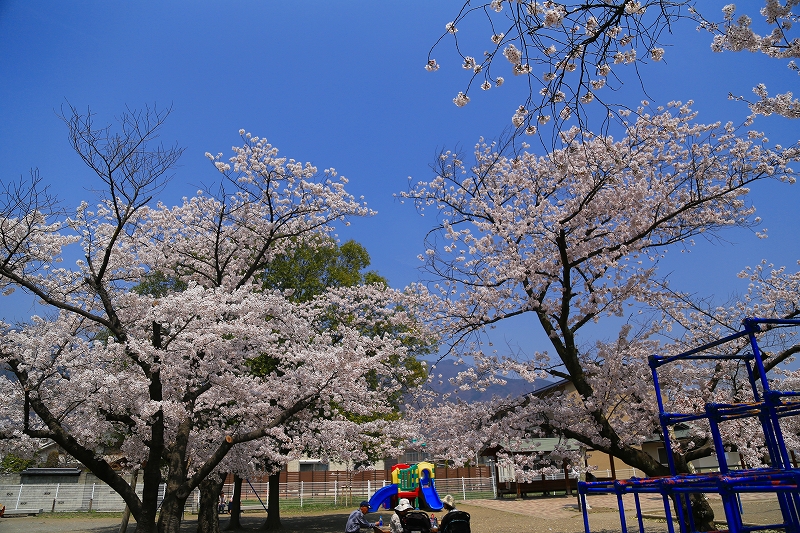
{"points": [[408, 478]]}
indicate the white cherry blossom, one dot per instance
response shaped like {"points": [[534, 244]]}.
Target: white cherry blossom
{"points": [[573, 237], [166, 375]]}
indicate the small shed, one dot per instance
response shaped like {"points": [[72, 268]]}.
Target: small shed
{"points": [[507, 482]]}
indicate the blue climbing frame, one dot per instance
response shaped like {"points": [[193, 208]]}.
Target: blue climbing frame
{"points": [[768, 406]]}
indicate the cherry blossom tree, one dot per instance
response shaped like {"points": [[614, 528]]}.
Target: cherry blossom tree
{"points": [[306, 272], [165, 378], [568, 239], [689, 321], [736, 34], [572, 56]]}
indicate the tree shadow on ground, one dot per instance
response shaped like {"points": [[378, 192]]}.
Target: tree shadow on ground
{"points": [[323, 523]]}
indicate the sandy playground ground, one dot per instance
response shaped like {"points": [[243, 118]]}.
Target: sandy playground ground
{"points": [[533, 515]]}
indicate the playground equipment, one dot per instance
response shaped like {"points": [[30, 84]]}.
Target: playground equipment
{"points": [[414, 482], [769, 406]]}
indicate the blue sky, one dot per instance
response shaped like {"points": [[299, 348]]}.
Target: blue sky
{"points": [[340, 84]]}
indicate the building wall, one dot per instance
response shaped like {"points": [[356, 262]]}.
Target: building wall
{"points": [[657, 451], [602, 462], [307, 464]]}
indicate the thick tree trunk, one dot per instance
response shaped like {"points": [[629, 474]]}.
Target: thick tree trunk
{"points": [[273, 521], [702, 512], [146, 519], [169, 520], [208, 514], [236, 505], [126, 514]]}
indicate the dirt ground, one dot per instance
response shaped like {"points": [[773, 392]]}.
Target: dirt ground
{"points": [[482, 520], [535, 515]]}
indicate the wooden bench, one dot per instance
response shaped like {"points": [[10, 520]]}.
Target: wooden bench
{"points": [[536, 486]]}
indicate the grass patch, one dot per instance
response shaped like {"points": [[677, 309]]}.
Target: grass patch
{"points": [[292, 508]]}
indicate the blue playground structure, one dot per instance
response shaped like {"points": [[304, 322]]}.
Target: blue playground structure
{"points": [[768, 406], [414, 482]]}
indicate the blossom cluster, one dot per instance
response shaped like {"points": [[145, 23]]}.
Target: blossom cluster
{"points": [[563, 46], [736, 34]]}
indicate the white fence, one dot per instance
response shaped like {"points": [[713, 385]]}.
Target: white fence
{"points": [[72, 497], [509, 474], [621, 473], [301, 494], [63, 497]]}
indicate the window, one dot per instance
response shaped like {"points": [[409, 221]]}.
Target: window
{"points": [[314, 467], [662, 456]]}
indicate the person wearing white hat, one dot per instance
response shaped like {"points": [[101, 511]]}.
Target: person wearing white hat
{"points": [[454, 521], [449, 503], [402, 509]]}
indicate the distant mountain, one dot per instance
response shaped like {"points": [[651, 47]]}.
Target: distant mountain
{"points": [[448, 369]]}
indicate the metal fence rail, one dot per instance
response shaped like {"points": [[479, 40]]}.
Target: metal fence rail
{"points": [[621, 473], [76, 497], [300, 494]]}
